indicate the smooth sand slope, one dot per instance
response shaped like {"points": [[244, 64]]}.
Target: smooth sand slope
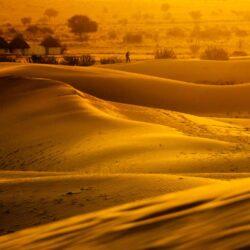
{"points": [[214, 217], [130, 88]]}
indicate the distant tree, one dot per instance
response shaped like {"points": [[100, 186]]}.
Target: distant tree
{"points": [[26, 21], [196, 15], [33, 29], [80, 25], [51, 13], [165, 7]]}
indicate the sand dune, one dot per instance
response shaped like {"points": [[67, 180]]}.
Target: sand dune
{"points": [[104, 137], [63, 129], [214, 217], [130, 88], [194, 71]]}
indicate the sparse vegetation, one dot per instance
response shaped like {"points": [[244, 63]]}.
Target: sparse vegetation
{"points": [[165, 54], [84, 60], [194, 48], [214, 53]]}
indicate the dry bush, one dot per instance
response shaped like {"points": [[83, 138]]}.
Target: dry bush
{"points": [[214, 53], [165, 54], [70, 60], [86, 60], [111, 60], [44, 59], [7, 59], [194, 48]]}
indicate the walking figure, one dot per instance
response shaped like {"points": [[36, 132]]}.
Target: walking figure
{"points": [[128, 57]]}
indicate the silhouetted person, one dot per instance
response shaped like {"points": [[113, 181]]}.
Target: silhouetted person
{"points": [[128, 57]]}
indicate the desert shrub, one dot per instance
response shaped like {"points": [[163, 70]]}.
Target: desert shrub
{"points": [[110, 60], [133, 38], [213, 53], [44, 59], [86, 60], [194, 48], [239, 53], [50, 60], [6, 59], [70, 60], [165, 54]]}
